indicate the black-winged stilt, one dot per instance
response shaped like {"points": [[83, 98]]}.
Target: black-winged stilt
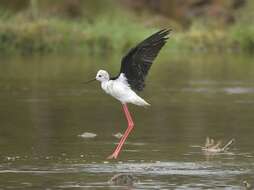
{"points": [[134, 68]]}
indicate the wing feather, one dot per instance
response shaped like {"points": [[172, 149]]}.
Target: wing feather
{"points": [[137, 62]]}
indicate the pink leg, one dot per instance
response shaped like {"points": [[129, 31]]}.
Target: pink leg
{"points": [[126, 133]]}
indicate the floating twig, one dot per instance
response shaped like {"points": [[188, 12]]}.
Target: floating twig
{"points": [[212, 146], [247, 185]]}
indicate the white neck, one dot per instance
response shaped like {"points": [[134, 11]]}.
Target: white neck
{"points": [[104, 85]]}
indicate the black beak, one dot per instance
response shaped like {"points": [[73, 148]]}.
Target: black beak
{"points": [[89, 81]]}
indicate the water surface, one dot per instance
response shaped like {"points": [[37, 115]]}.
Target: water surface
{"points": [[45, 109]]}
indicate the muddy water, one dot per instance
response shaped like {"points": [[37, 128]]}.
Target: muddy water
{"points": [[45, 109]]}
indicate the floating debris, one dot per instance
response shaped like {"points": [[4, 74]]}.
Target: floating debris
{"points": [[123, 180], [87, 135], [216, 147], [10, 158], [118, 135], [63, 154], [247, 185]]}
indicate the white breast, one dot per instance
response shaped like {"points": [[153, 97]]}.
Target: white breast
{"points": [[117, 88], [121, 90]]}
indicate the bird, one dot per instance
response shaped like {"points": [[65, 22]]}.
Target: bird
{"points": [[131, 78]]}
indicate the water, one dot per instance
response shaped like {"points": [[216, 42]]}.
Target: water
{"points": [[45, 109]]}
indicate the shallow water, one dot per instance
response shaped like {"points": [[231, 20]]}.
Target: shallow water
{"points": [[45, 109]]}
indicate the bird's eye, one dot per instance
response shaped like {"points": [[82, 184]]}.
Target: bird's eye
{"points": [[99, 75]]}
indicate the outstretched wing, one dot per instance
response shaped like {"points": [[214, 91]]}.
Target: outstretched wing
{"points": [[137, 62]]}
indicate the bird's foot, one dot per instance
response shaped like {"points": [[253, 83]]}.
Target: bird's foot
{"points": [[113, 156]]}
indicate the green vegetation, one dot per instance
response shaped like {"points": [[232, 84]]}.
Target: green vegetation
{"points": [[52, 34], [200, 38], [28, 31]]}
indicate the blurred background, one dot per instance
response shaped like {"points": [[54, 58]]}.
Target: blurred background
{"points": [[46, 26]]}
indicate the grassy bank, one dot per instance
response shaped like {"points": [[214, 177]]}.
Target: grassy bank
{"points": [[57, 34], [25, 34]]}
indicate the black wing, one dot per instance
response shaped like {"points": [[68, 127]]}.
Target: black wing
{"points": [[137, 62]]}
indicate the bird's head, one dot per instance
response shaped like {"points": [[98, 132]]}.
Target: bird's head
{"points": [[102, 76]]}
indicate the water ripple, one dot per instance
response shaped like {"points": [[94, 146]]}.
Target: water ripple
{"points": [[164, 168], [157, 168]]}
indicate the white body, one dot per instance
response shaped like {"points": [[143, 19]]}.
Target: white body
{"points": [[119, 89]]}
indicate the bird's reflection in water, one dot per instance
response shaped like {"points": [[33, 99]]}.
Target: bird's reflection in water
{"points": [[125, 180]]}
